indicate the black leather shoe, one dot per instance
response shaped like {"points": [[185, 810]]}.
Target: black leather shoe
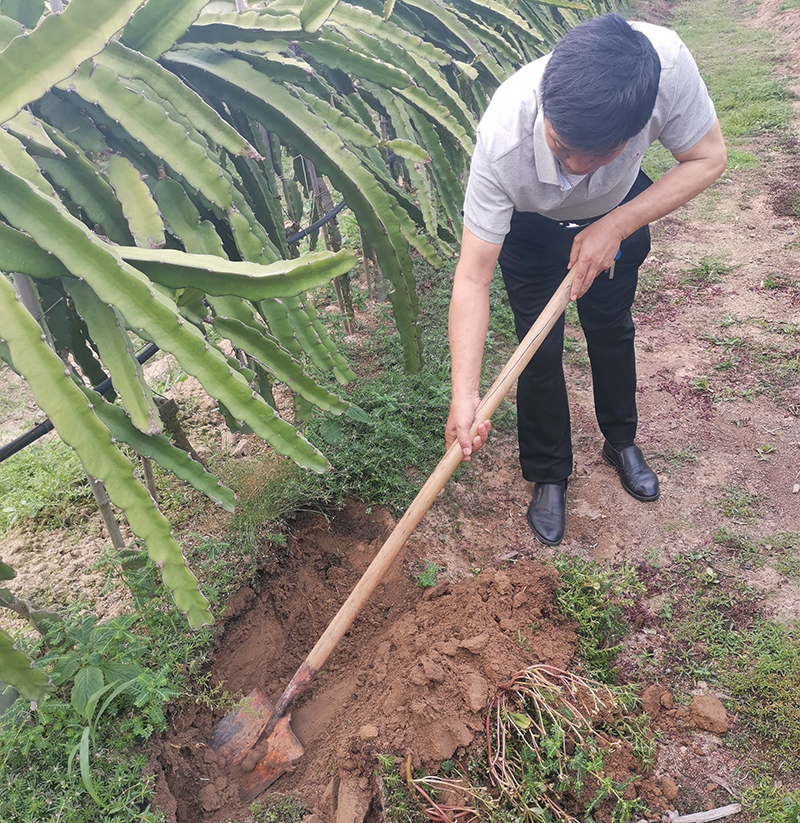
{"points": [[637, 478], [546, 512]]}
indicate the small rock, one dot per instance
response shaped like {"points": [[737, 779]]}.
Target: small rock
{"points": [[446, 736], [475, 644], [433, 671], [242, 448], [519, 599], [448, 647], [651, 700], [502, 584], [353, 803], [669, 788], [476, 691], [709, 714], [436, 591], [368, 732], [796, 488]]}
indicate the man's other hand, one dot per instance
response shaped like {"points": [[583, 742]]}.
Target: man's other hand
{"points": [[593, 251]]}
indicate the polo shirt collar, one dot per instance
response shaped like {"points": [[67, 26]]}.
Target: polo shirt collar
{"points": [[546, 164]]}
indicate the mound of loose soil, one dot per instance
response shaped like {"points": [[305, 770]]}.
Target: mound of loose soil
{"points": [[412, 677]]}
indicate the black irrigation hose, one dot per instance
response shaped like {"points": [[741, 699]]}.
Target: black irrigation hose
{"points": [[144, 355], [296, 238]]}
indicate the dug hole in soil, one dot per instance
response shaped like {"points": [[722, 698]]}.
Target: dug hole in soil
{"points": [[413, 676]]}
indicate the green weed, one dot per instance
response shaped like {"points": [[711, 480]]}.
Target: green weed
{"points": [[737, 503], [594, 597], [701, 385], [384, 454], [552, 731], [80, 746], [401, 806], [673, 460], [275, 809], [650, 291], [777, 280], [268, 489], [575, 352], [765, 451], [429, 570], [708, 271], [728, 320], [726, 343], [770, 801]]}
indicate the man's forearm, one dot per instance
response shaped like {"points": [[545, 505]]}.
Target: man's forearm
{"points": [[469, 321], [696, 170], [468, 324]]}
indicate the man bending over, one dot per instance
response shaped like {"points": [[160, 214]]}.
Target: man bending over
{"points": [[555, 182]]}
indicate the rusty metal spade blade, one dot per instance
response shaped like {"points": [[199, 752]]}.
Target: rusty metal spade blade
{"points": [[256, 740], [236, 734]]}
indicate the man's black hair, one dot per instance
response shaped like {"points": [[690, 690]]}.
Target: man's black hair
{"points": [[600, 84]]}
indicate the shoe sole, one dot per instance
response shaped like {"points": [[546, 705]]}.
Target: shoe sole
{"points": [[639, 497]]}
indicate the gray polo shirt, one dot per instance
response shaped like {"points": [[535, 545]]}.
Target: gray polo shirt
{"points": [[512, 168]]}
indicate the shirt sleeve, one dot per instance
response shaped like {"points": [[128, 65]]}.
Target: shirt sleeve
{"points": [[487, 207], [692, 113]]}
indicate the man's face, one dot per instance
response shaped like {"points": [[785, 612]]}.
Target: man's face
{"points": [[575, 161]]}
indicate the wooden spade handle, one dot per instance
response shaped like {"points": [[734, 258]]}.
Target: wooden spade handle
{"points": [[415, 512]]}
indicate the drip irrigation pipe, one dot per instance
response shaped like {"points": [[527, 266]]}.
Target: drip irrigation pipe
{"points": [[46, 426], [296, 238]]}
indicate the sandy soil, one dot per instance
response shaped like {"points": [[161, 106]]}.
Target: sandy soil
{"points": [[415, 672]]}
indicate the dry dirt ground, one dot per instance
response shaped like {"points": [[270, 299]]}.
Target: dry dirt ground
{"points": [[414, 674]]}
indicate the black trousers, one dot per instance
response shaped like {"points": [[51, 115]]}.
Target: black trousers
{"points": [[534, 261]]}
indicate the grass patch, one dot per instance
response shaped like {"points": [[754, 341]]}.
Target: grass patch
{"points": [[274, 809], [762, 675], [737, 504], [45, 481], [673, 460], [595, 597], [650, 290], [707, 272], [740, 160], [657, 161], [749, 97], [152, 656], [385, 452], [715, 631]]}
